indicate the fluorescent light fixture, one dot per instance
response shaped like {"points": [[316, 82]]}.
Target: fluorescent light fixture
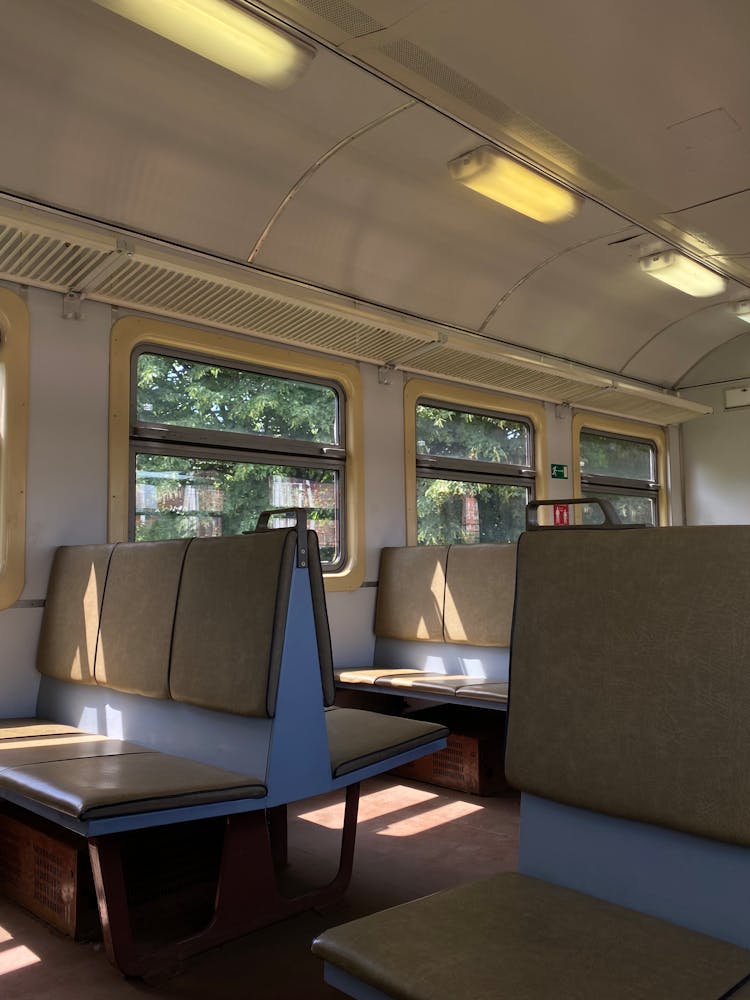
{"points": [[681, 272], [223, 33], [742, 311], [503, 179]]}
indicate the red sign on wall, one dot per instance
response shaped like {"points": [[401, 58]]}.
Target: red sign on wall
{"points": [[562, 514]]}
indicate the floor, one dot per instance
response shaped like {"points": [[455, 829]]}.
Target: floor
{"points": [[412, 839]]}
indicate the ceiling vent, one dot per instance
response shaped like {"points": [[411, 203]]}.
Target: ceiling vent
{"points": [[346, 16], [84, 261]]}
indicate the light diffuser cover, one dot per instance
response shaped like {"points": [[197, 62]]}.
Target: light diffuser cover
{"points": [[501, 178], [681, 272], [224, 34]]}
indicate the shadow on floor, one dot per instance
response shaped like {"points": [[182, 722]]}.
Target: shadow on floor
{"points": [[412, 839]]}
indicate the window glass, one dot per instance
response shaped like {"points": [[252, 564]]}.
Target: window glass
{"points": [[474, 477], [630, 509], [214, 445], [619, 457], [187, 393], [453, 511], [464, 434]]}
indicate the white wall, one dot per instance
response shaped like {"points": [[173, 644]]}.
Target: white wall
{"points": [[558, 420], [716, 461], [67, 470], [351, 615], [716, 448]]}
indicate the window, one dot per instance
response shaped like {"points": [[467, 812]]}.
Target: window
{"points": [[14, 389], [474, 470], [214, 445], [623, 470], [218, 430]]}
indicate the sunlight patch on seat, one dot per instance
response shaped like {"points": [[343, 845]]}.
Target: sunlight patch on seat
{"points": [[66, 740]]}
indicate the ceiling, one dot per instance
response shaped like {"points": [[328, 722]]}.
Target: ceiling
{"points": [[338, 186]]}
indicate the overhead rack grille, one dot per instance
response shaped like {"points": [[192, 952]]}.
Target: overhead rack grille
{"points": [[52, 252]]}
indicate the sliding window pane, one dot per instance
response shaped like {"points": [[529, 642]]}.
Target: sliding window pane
{"points": [[474, 437], [630, 508], [179, 392], [178, 497], [616, 457], [452, 511]]}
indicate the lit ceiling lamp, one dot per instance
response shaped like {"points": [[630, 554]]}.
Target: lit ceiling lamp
{"points": [[683, 273], [742, 311], [223, 33], [503, 179]]}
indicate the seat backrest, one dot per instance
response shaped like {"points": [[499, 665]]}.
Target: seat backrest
{"points": [[137, 617], [70, 626], [439, 593], [230, 622], [411, 592], [479, 587], [629, 680]]}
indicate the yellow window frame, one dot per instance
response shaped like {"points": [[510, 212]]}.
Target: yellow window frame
{"points": [[132, 332], [14, 421]]}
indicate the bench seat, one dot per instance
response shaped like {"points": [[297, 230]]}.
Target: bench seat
{"points": [[511, 937], [187, 679], [442, 625]]}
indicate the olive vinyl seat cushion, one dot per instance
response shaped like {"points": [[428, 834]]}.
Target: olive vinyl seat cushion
{"points": [[123, 783], [511, 937], [485, 690], [357, 739]]}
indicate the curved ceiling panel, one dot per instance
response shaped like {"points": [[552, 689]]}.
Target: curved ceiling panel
{"points": [[593, 303], [674, 350], [728, 363], [383, 220], [113, 122]]}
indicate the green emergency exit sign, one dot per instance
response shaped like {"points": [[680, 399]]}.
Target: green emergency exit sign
{"points": [[559, 471]]}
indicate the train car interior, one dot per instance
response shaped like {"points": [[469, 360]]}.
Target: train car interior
{"points": [[325, 327]]}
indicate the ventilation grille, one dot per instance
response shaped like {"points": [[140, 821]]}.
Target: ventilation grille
{"points": [[45, 260], [147, 276], [189, 296], [420, 61], [480, 368], [344, 15]]}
